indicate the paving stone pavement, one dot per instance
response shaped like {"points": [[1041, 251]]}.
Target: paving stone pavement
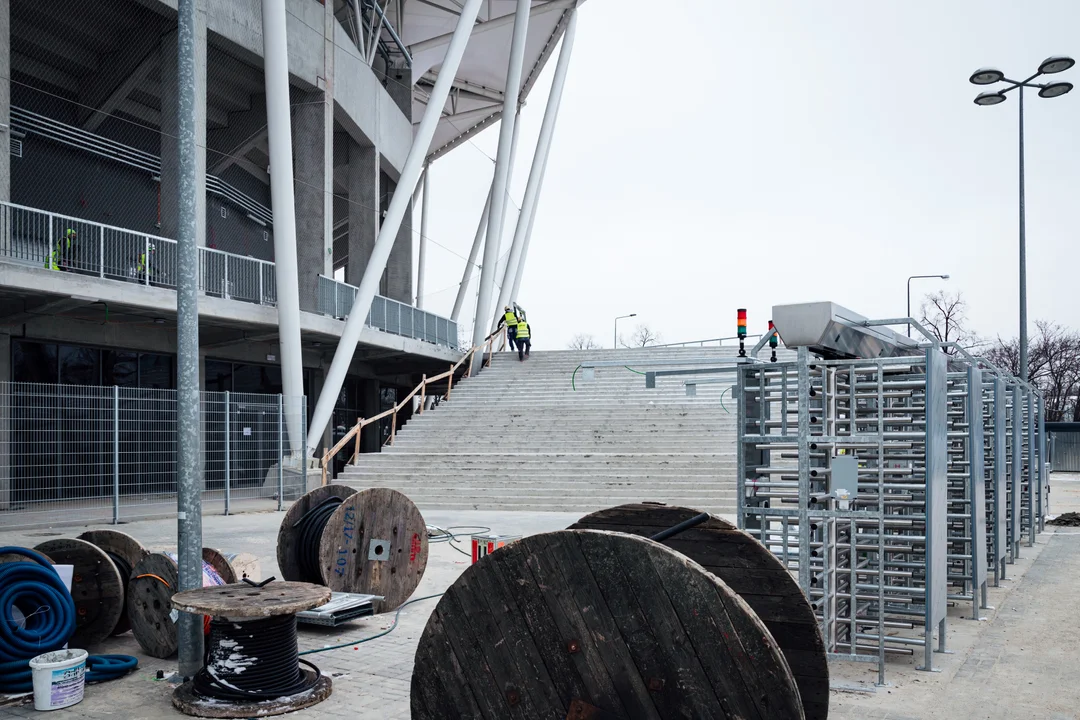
{"points": [[1020, 663]]}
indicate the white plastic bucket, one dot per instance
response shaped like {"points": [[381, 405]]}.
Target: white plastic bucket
{"points": [[59, 679]]}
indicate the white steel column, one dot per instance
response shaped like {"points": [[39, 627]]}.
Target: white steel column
{"points": [[410, 173], [508, 293], [422, 255], [502, 173], [473, 252], [279, 132], [466, 276]]}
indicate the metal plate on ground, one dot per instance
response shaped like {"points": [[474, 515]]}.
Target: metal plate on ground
{"points": [[96, 588], [615, 622], [748, 568], [375, 515], [341, 608]]}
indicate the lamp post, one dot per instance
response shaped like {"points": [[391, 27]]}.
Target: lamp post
{"points": [[621, 317], [989, 76], [916, 277]]}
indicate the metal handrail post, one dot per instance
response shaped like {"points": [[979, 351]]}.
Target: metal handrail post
{"points": [[101, 265], [116, 455], [228, 450], [146, 260]]}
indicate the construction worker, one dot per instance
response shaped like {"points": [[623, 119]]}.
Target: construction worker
{"points": [[510, 319], [61, 257], [524, 342], [140, 269]]}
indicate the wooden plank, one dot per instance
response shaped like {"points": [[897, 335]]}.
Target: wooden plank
{"points": [[375, 543], [96, 588], [747, 568], [562, 620], [288, 535]]}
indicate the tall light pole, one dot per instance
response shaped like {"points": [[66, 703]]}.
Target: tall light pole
{"points": [[916, 277], [989, 76], [621, 317]]}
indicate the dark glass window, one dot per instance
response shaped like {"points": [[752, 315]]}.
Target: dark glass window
{"points": [[219, 376], [257, 379], [33, 362], [156, 371], [80, 365], [119, 367]]}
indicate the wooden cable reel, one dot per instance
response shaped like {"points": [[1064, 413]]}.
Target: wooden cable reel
{"points": [[96, 588], [374, 543], [154, 581], [592, 624], [749, 569], [129, 551]]}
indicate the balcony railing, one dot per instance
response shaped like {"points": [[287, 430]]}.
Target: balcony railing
{"points": [[39, 238], [336, 300]]}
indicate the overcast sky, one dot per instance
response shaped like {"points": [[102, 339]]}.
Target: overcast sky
{"points": [[714, 154]]}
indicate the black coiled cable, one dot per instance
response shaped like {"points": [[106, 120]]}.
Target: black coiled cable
{"points": [[311, 529], [124, 568], [254, 660]]}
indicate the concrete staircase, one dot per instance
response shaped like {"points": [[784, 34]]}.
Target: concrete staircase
{"points": [[518, 436]]}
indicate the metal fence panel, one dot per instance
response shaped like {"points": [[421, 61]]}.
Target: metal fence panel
{"points": [[75, 454], [1065, 451]]}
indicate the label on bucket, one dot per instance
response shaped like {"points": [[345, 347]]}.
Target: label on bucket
{"points": [[67, 686]]}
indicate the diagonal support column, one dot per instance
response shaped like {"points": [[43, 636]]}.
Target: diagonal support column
{"points": [[502, 174], [516, 261], [410, 173], [283, 199]]}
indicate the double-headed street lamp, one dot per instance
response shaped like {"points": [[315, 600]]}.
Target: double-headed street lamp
{"points": [[989, 76], [916, 277], [621, 317]]}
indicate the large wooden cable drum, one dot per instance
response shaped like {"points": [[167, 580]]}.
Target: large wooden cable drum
{"points": [[126, 552], [298, 532], [749, 569], [582, 623], [375, 543], [96, 587]]}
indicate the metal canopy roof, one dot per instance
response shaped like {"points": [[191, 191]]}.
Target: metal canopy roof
{"points": [[476, 101]]}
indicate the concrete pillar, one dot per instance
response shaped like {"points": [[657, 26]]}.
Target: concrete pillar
{"points": [[309, 177], [399, 87], [5, 101], [329, 23], [399, 270], [371, 441], [170, 207], [363, 208]]}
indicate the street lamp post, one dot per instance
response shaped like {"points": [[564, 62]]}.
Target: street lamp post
{"points": [[916, 277], [989, 76], [621, 317]]}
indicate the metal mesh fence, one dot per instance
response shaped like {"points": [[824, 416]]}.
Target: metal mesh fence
{"points": [[76, 454]]}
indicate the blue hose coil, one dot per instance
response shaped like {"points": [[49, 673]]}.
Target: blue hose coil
{"points": [[40, 595]]}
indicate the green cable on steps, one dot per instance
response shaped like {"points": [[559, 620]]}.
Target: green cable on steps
{"points": [[574, 375]]}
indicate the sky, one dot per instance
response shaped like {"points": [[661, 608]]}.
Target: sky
{"points": [[714, 154]]}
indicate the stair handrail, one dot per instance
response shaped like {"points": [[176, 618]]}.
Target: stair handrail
{"points": [[448, 375]]}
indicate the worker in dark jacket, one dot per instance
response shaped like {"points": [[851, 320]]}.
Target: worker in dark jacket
{"points": [[509, 318], [524, 339]]}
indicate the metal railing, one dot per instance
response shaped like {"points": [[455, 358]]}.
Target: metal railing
{"points": [[702, 343], [336, 300], [39, 238], [78, 454]]}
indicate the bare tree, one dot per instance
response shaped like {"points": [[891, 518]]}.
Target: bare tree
{"points": [[583, 341], [643, 336], [945, 316], [1053, 367]]}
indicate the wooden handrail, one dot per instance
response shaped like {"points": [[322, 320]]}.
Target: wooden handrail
{"points": [[354, 432]]}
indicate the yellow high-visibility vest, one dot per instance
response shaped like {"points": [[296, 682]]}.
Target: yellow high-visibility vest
{"points": [[511, 319], [522, 329]]}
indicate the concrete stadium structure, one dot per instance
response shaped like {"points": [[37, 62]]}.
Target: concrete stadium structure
{"points": [[377, 90]]}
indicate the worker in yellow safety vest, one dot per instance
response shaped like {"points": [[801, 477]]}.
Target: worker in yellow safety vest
{"points": [[524, 341], [510, 320], [60, 258], [141, 268]]}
